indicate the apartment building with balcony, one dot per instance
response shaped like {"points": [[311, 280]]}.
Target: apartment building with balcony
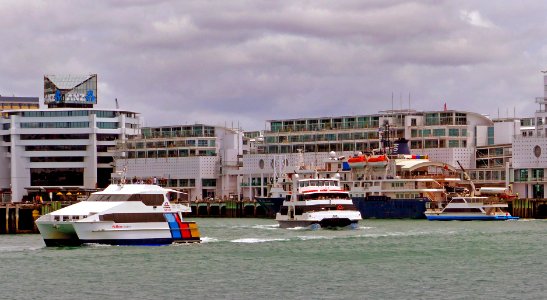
{"points": [[200, 160]]}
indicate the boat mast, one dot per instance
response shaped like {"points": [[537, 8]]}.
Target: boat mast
{"points": [[466, 177]]}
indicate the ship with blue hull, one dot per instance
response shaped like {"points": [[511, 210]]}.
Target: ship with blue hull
{"points": [[398, 185], [395, 186], [272, 205], [383, 207]]}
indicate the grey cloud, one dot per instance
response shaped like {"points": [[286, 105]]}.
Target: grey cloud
{"points": [[245, 62]]}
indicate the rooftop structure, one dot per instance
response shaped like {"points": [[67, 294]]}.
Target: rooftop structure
{"points": [[19, 103], [75, 91]]}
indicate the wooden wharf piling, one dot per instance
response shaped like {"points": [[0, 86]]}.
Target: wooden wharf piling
{"points": [[528, 208], [227, 209]]}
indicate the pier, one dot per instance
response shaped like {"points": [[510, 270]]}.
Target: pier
{"points": [[528, 208], [18, 218], [227, 208]]}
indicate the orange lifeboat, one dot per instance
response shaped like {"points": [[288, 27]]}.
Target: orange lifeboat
{"points": [[378, 160], [357, 161]]}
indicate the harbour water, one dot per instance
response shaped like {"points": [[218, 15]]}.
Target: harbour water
{"points": [[254, 259]]}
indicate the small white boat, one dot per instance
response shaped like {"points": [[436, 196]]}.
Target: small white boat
{"points": [[122, 214], [317, 203], [470, 208]]}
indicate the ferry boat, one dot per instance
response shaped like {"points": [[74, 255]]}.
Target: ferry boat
{"points": [[395, 186], [282, 184], [317, 203], [399, 185], [400, 189], [470, 208], [122, 214], [273, 202]]}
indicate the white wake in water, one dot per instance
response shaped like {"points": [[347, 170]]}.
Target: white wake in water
{"points": [[257, 240], [206, 239], [316, 237], [268, 227]]}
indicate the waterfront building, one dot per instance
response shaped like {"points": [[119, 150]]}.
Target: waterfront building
{"points": [[63, 148], [252, 142], [529, 163], [447, 136], [493, 152], [19, 103], [198, 159]]}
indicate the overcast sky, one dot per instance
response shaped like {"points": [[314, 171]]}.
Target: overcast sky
{"points": [[245, 62]]}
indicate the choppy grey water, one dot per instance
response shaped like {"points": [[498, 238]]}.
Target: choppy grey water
{"points": [[254, 259]]}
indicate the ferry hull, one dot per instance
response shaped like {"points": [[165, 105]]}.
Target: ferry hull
{"points": [[75, 242], [145, 234], [470, 218], [57, 234], [325, 223], [138, 242], [382, 207]]}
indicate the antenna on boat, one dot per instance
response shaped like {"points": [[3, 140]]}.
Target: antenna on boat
{"points": [[385, 140]]}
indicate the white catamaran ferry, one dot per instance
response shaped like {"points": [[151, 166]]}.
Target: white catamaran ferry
{"points": [[122, 214], [470, 208], [317, 203]]}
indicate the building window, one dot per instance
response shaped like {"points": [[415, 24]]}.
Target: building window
{"points": [[491, 135], [431, 144], [439, 132], [56, 148], [522, 175], [108, 125], [209, 182], [55, 125], [105, 114], [432, 119], [57, 177], [453, 143], [453, 132], [537, 174]]}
